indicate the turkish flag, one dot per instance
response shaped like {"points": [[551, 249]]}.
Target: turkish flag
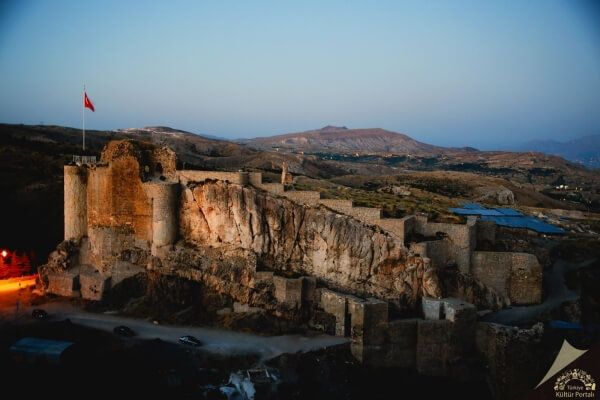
{"points": [[87, 103]]}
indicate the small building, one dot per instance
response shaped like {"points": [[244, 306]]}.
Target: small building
{"points": [[40, 351]]}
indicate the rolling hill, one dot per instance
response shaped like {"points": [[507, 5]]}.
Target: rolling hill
{"points": [[344, 140]]}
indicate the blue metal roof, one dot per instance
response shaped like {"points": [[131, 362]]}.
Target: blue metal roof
{"points": [[469, 211], [473, 206], [509, 211], [34, 347], [508, 217]]}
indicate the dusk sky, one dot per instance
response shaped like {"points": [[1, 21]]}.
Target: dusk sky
{"points": [[484, 74]]}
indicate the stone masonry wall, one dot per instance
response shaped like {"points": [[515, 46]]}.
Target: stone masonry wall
{"points": [[75, 201], [398, 226], [515, 275], [116, 198], [164, 197], [307, 197], [200, 176], [462, 237]]}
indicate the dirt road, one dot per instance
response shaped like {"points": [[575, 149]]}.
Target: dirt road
{"points": [[215, 340]]}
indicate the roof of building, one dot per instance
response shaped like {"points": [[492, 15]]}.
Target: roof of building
{"points": [[508, 217], [50, 349]]}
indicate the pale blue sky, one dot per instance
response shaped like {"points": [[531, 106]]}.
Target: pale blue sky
{"points": [[477, 73]]}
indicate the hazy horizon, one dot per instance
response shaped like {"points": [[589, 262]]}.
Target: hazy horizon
{"points": [[451, 74]]}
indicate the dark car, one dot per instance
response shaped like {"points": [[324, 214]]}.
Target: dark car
{"points": [[190, 340], [38, 313], [123, 330]]}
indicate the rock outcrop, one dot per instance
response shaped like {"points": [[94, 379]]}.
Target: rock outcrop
{"points": [[293, 239]]}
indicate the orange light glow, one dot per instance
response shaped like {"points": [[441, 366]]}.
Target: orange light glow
{"points": [[4, 253], [13, 284]]}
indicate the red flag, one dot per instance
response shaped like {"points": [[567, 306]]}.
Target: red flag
{"points": [[87, 103]]}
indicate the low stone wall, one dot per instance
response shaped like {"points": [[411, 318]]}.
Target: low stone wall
{"points": [[339, 205], [515, 275], [185, 176], [336, 304], [275, 188], [288, 291], [93, 285], [255, 178], [64, 284], [366, 214], [307, 197], [292, 292]]}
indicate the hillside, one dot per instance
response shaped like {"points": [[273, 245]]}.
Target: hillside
{"points": [[344, 140]]}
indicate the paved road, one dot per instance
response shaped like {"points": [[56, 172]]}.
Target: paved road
{"points": [[215, 340], [557, 293]]}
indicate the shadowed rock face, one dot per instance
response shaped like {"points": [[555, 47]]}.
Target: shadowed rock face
{"points": [[291, 238]]}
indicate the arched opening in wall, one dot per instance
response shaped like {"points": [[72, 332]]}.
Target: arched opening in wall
{"points": [[158, 169]]}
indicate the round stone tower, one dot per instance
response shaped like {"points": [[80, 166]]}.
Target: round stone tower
{"points": [[164, 196], [75, 202]]}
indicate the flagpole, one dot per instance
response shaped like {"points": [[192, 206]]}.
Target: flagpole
{"points": [[83, 115]]}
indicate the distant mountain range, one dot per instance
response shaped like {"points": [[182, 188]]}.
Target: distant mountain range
{"points": [[584, 150]]}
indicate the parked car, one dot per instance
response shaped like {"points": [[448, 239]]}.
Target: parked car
{"points": [[38, 313], [190, 340], [123, 330]]}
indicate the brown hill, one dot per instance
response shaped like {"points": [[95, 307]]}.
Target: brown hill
{"points": [[344, 140]]}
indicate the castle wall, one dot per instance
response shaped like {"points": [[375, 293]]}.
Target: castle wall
{"points": [[93, 285], [525, 279], [462, 238], [64, 284], [368, 215], [339, 205], [255, 178], [515, 275], [75, 201], [486, 235], [116, 198], [307, 197], [288, 291], [164, 197], [240, 178], [275, 188], [440, 252], [401, 227]]}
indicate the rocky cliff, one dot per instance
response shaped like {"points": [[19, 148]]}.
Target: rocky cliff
{"points": [[292, 239]]}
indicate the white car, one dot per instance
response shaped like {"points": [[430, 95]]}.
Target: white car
{"points": [[190, 341]]}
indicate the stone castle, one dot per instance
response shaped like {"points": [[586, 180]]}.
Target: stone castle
{"points": [[280, 251]]}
